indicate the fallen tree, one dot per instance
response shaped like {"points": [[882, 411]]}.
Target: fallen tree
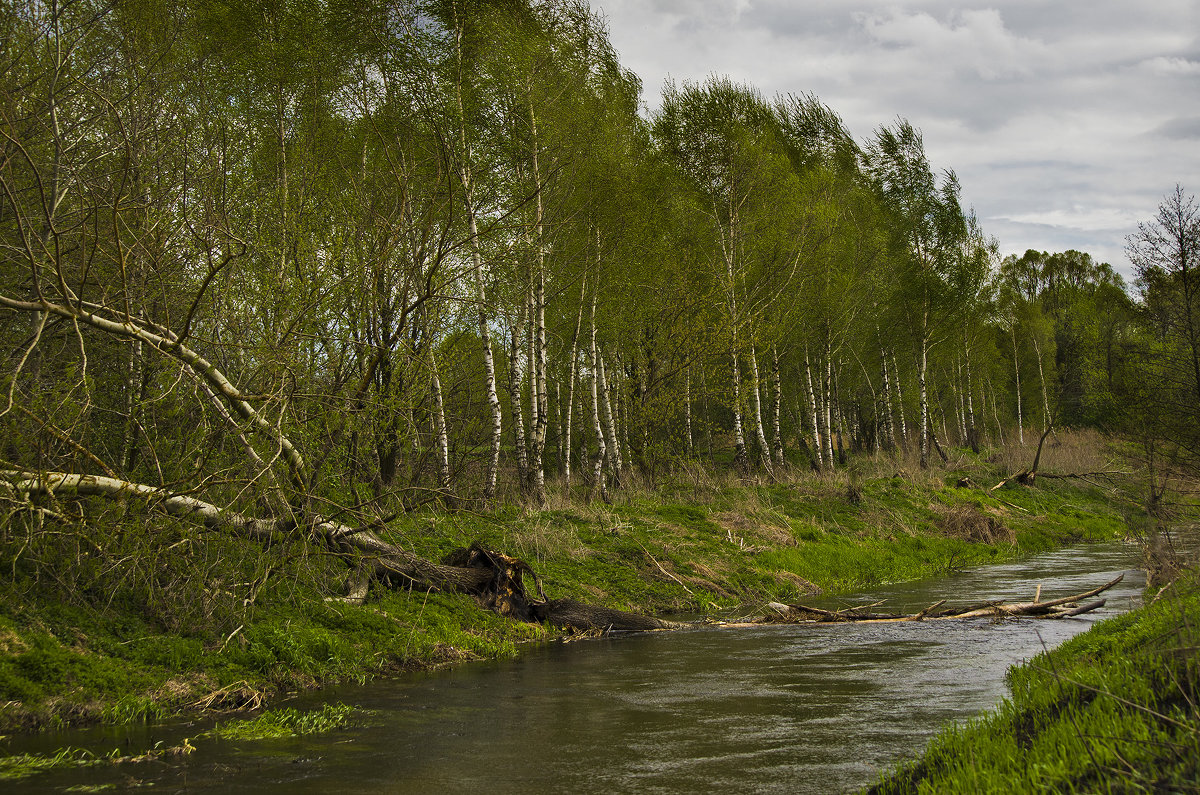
{"points": [[1062, 607], [495, 579]]}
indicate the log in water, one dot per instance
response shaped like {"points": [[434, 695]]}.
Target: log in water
{"points": [[763, 709]]}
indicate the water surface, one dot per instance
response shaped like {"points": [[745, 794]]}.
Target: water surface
{"points": [[792, 709]]}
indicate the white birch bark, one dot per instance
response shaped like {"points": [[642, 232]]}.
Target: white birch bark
{"points": [[960, 405], [539, 396], [1042, 378], [739, 435], [818, 442], [776, 409], [839, 414], [492, 465], [514, 393], [1017, 376], [889, 421], [571, 382], [598, 484], [764, 450], [899, 401], [827, 407], [972, 431], [610, 429], [441, 433], [687, 411], [924, 403], [385, 558]]}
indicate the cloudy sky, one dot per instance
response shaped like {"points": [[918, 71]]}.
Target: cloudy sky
{"points": [[1067, 121]]}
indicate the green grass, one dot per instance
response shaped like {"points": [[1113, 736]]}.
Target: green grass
{"points": [[269, 725], [18, 766], [243, 626], [277, 723], [1113, 710]]}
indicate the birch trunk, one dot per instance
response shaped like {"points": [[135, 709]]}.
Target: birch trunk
{"points": [[764, 449], [514, 394], [492, 465], [598, 483], [827, 409], [439, 424], [777, 409], [818, 444], [899, 402], [972, 431], [530, 319], [687, 411], [960, 405], [840, 414], [889, 422], [739, 435], [1042, 379], [167, 343], [1017, 376], [610, 430], [571, 382], [924, 403], [539, 396]]}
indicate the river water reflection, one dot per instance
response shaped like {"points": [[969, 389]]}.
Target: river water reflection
{"points": [[767, 709]]}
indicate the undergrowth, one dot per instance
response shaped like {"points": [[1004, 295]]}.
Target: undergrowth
{"points": [[179, 619]]}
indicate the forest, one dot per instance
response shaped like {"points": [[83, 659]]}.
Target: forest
{"points": [[291, 270]]}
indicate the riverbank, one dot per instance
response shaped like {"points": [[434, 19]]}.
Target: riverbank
{"points": [[1112, 710], [695, 542]]}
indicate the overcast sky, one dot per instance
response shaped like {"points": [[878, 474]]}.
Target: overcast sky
{"points": [[1067, 121]]}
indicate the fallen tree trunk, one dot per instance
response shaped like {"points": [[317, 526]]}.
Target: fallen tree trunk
{"points": [[1055, 608], [495, 579]]}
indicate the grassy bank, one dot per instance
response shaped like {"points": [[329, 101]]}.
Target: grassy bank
{"points": [[1112, 710], [202, 622]]}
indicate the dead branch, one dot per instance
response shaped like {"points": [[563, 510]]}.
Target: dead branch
{"points": [[1055, 608], [1026, 476]]}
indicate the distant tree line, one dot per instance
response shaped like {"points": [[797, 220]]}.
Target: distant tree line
{"points": [[333, 259]]}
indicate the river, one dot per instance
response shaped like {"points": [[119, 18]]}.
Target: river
{"points": [[793, 709]]}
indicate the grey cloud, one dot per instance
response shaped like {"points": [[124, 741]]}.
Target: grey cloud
{"points": [[1067, 110], [1181, 129]]}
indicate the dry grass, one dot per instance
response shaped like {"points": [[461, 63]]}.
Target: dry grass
{"points": [[968, 523], [801, 585], [539, 538], [1066, 451]]}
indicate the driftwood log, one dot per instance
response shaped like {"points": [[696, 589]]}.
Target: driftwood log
{"points": [[1063, 607]]}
